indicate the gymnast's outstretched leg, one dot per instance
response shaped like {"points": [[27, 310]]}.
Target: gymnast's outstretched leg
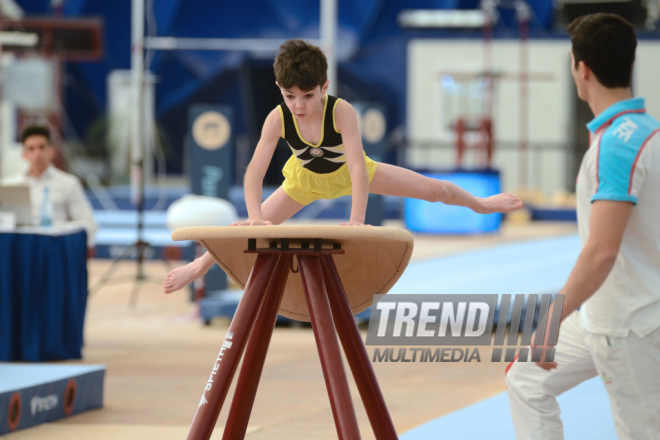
{"points": [[278, 208], [392, 180]]}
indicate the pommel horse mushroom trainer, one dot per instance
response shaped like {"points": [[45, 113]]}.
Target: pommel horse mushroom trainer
{"points": [[322, 274]]}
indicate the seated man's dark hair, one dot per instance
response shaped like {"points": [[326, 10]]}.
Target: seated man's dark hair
{"points": [[606, 43], [33, 130], [301, 64]]}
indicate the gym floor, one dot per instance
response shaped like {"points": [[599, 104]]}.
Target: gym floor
{"points": [[159, 357]]}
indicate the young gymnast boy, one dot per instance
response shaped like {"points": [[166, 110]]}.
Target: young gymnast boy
{"points": [[328, 160]]}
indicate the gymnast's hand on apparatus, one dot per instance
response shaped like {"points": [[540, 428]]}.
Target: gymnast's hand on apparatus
{"points": [[252, 222], [353, 223], [499, 203]]}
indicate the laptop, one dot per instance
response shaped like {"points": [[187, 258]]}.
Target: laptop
{"points": [[16, 198]]}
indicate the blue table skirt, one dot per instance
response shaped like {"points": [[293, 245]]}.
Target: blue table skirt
{"points": [[43, 296]]}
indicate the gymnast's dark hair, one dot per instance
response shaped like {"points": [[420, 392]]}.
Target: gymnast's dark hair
{"points": [[606, 43], [301, 64]]}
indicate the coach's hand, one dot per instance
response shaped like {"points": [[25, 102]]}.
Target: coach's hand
{"points": [[547, 365], [543, 364]]}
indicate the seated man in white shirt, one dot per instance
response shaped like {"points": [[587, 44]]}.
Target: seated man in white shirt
{"points": [[65, 190]]}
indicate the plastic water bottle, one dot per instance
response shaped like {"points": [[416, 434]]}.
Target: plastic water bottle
{"points": [[46, 211]]}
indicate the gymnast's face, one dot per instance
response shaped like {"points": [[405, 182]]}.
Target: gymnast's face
{"points": [[304, 104]]}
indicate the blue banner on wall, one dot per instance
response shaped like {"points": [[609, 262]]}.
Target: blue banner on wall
{"points": [[211, 149]]}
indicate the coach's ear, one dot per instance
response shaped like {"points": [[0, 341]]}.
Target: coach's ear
{"points": [[584, 71]]}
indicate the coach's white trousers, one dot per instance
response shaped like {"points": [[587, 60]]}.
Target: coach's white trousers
{"points": [[629, 368]]}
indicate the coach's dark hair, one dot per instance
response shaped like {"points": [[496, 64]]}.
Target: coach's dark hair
{"points": [[301, 64], [34, 130], [606, 43]]}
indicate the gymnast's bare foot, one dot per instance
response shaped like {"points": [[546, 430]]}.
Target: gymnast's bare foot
{"points": [[499, 203], [181, 276]]}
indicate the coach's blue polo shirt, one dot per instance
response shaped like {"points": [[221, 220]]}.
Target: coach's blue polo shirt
{"points": [[623, 164]]}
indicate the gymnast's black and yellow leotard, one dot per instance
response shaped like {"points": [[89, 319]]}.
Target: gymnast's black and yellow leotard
{"points": [[317, 171]]}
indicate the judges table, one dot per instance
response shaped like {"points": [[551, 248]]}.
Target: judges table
{"points": [[43, 294]]}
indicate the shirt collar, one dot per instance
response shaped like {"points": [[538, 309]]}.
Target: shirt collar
{"points": [[48, 172], [633, 105]]}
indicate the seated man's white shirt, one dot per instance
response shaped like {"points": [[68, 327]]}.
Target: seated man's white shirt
{"points": [[67, 196], [623, 164]]}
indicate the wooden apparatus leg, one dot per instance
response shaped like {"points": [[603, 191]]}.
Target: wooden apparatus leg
{"points": [[328, 346], [356, 354], [232, 349], [255, 354]]}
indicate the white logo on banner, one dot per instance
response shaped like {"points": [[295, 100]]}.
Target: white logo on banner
{"points": [[373, 126], [211, 130]]}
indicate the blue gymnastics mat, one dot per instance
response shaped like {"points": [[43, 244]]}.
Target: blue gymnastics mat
{"points": [[585, 412], [533, 266], [31, 394]]}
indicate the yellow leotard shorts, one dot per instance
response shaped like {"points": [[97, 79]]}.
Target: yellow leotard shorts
{"points": [[305, 186]]}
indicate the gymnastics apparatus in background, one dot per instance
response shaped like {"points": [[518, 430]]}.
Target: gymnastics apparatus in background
{"points": [[339, 270]]}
